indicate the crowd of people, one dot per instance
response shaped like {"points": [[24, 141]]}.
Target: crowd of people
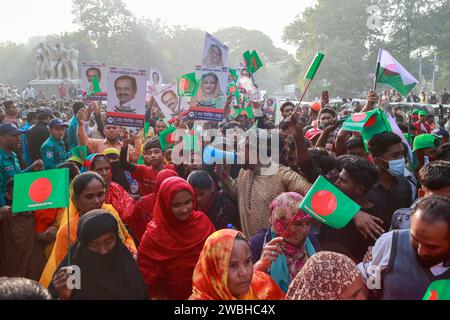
{"points": [[143, 226]]}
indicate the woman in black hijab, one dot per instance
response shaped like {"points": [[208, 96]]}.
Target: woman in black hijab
{"points": [[107, 269]]}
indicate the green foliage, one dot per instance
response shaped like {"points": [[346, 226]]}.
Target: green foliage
{"points": [[407, 27]]}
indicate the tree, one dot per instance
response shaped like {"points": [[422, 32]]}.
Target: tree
{"points": [[275, 60], [340, 32], [17, 64]]}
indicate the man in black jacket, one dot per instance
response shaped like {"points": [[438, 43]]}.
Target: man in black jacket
{"points": [[38, 133]]}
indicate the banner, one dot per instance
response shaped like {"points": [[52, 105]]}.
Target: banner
{"points": [[89, 71], [215, 53], [155, 81], [126, 98], [167, 99], [212, 87], [269, 106], [204, 114]]}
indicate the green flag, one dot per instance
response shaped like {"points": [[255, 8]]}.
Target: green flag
{"points": [[80, 152], [94, 86], [233, 89], [244, 111], [41, 190], [146, 129], [391, 72], [314, 66], [438, 290], [234, 74], [187, 85], [165, 138], [368, 124], [252, 61], [140, 161], [329, 205]]}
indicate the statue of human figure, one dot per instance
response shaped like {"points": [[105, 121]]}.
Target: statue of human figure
{"points": [[45, 68], [73, 60], [54, 60], [63, 55], [39, 61]]}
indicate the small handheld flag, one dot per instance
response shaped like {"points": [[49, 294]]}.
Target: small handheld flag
{"points": [[244, 111], [233, 89], [438, 290], [41, 190], [166, 139], [368, 124], [252, 61], [80, 151], [234, 75], [314, 67], [94, 86], [391, 72], [327, 204], [187, 85]]}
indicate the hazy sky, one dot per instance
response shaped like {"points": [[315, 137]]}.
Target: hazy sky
{"points": [[22, 19]]}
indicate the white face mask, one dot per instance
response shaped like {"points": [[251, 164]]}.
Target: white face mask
{"points": [[397, 167]]}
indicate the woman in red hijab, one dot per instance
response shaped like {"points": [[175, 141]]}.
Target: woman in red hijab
{"points": [[173, 241], [143, 211]]}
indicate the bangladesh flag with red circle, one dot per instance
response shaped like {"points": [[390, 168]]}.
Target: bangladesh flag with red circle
{"points": [[438, 290], [166, 138], [327, 204], [368, 124], [41, 190]]}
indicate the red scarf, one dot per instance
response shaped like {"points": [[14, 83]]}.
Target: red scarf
{"points": [[172, 245], [143, 211]]}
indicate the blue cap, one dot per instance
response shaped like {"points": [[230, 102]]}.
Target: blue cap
{"points": [[440, 133], [11, 129], [57, 123]]}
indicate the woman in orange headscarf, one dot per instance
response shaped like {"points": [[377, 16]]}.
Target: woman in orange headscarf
{"points": [[225, 271], [172, 243]]}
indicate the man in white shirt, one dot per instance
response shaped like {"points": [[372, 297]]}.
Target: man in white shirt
{"points": [[29, 93], [404, 263]]}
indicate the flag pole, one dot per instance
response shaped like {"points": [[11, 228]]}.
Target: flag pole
{"points": [[304, 93], [68, 235], [374, 88], [179, 96], [380, 51]]}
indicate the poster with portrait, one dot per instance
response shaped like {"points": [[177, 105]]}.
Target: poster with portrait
{"points": [[88, 71], [269, 106], [212, 87], [215, 53], [155, 79], [126, 98], [168, 100]]}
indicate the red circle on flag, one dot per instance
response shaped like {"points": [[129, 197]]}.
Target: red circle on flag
{"points": [[324, 203], [233, 89], [371, 121], [40, 190], [169, 138], [358, 117], [433, 295], [184, 84]]}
